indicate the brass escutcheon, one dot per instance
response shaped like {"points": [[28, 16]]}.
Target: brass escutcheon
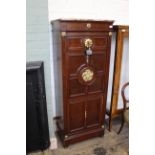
{"points": [[88, 43]]}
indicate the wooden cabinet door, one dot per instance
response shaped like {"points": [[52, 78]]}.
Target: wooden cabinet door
{"points": [[76, 116], [85, 100]]}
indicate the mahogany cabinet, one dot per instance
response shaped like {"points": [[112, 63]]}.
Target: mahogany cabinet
{"points": [[81, 65]]}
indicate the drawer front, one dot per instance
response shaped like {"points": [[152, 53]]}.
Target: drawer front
{"points": [[86, 26], [76, 116], [95, 111]]}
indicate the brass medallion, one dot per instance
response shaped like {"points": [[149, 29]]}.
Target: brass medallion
{"points": [[87, 75]]}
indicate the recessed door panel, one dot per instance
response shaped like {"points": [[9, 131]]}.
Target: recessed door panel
{"points": [[74, 42], [98, 61], [75, 61], [76, 88], [97, 86], [94, 110], [76, 116]]}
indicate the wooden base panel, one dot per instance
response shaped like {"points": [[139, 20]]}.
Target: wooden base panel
{"points": [[71, 139]]}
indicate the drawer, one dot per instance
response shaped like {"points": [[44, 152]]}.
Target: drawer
{"points": [[96, 26]]}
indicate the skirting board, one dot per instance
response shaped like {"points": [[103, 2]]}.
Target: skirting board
{"points": [[53, 144]]}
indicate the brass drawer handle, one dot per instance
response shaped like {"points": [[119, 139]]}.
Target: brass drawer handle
{"points": [[88, 25]]}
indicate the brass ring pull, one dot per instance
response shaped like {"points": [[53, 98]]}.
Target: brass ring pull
{"points": [[88, 44]]}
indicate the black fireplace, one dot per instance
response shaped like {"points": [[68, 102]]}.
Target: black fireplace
{"points": [[37, 131]]}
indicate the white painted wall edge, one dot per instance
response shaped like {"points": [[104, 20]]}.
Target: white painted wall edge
{"points": [[54, 144], [52, 71]]}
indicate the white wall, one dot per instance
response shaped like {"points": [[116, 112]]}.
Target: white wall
{"points": [[117, 10]]}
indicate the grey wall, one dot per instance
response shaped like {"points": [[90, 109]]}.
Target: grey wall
{"points": [[38, 46]]}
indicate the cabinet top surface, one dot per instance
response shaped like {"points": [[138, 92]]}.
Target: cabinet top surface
{"points": [[81, 20], [82, 25]]}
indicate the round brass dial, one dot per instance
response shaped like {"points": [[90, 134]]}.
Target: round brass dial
{"points": [[87, 75]]}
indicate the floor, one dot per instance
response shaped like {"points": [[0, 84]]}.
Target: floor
{"points": [[110, 144]]}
